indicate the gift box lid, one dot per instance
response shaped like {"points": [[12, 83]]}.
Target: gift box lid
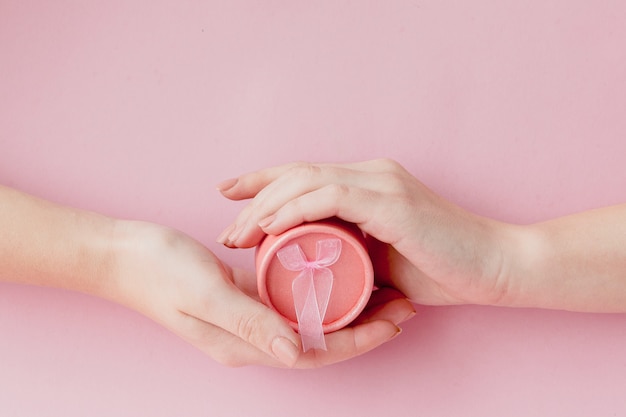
{"points": [[345, 262]]}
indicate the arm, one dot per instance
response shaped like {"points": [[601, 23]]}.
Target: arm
{"points": [[45, 244], [435, 252], [170, 278], [577, 262]]}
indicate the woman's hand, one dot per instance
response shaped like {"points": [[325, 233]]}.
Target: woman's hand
{"points": [[426, 247], [176, 281]]}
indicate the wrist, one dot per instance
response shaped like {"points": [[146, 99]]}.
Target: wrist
{"points": [[127, 246], [522, 248], [137, 250], [96, 257]]}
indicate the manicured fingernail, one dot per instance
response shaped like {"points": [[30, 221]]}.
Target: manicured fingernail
{"points": [[408, 317], [267, 221], [285, 351], [226, 184], [223, 237], [234, 235], [396, 334]]}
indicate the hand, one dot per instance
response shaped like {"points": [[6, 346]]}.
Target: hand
{"points": [[176, 281], [426, 247]]}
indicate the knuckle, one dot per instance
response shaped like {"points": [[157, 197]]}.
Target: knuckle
{"points": [[295, 165], [337, 191], [305, 170], [248, 327], [389, 164], [394, 181], [294, 206]]}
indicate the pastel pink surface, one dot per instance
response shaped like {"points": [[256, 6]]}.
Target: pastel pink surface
{"points": [[353, 276], [512, 109]]}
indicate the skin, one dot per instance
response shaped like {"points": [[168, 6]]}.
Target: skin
{"points": [[173, 279], [434, 251]]}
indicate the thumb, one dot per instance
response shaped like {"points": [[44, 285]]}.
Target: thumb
{"points": [[256, 324]]}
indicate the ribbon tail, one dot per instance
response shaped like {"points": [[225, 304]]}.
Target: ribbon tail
{"points": [[308, 311], [323, 285]]}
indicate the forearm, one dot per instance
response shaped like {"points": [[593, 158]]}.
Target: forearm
{"points": [[573, 263], [46, 244]]}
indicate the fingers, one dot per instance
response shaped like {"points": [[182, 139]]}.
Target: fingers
{"points": [[349, 203], [286, 196], [248, 185], [349, 343], [387, 304], [291, 183], [345, 344], [377, 325], [353, 204], [241, 341]]}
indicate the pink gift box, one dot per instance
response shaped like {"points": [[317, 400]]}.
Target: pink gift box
{"points": [[351, 271]]}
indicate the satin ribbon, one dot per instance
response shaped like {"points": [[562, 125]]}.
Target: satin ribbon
{"points": [[311, 288]]}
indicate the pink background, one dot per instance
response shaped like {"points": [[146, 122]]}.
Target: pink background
{"points": [[512, 109]]}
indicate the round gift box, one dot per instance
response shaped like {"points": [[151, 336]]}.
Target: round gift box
{"points": [[353, 275]]}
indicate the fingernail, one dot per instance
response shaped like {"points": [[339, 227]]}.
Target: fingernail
{"points": [[226, 184], [222, 238], [396, 334], [267, 221], [408, 317], [234, 235], [285, 351]]}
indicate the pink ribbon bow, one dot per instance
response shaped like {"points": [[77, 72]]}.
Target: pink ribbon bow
{"points": [[311, 288]]}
